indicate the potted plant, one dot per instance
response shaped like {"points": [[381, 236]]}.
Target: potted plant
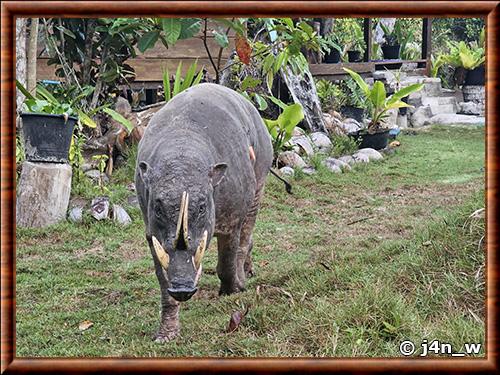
{"points": [[397, 87], [467, 58], [330, 45], [354, 103], [356, 45], [47, 126], [376, 135], [393, 40], [330, 95]]}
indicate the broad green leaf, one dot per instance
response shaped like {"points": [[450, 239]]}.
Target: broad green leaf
{"points": [[261, 102], [42, 91], [117, 117], [25, 92], [188, 79], [177, 80], [377, 94], [291, 116], [276, 101], [361, 83], [172, 29], [405, 91], [221, 39], [236, 25], [189, 27], [148, 40], [166, 85], [86, 120], [397, 104]]}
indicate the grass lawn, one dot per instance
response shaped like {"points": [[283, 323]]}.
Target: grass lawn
{"points": [[349, 265]]}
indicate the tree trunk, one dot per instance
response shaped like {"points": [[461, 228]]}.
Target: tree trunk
{"points": [[31, 54], [20, 59]]}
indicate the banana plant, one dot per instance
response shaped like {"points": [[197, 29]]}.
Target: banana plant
{"points": [[378, 101], [281, 129]]}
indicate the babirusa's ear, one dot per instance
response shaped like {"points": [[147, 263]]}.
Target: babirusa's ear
{"points": [[144, 169], [216, 173]]}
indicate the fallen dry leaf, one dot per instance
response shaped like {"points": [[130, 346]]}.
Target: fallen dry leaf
{"points": [[394, 144], [427, 243], [86, 324], [236, 318]]}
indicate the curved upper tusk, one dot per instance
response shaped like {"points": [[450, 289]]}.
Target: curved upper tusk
{"points": [[180, 219], [198, 256], [185, 220], [161, 254]]}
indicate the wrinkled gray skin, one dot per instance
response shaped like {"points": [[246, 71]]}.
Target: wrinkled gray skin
{"points": [[199, 143]]}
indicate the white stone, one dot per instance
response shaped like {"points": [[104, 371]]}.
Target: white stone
{"points": [[454, 119], [287, 171], [402, 121], [470, 108], [336, 165], [42, 194], [291, 159], [371, 153], [360, 157], [350, 125], [420, 117], [121, 216], [304, 144], [309, 170], [75, 215], [392, 117], [321, 141], [348, 159]]}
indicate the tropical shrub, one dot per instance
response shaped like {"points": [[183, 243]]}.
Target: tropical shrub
{"points": [[180, 84], [281, 129], [378, 100], [330, 95]]}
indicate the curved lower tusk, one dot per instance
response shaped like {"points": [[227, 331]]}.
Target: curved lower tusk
{"points": [[198, 256], [161, 254], [185, 219], [180, 219]]}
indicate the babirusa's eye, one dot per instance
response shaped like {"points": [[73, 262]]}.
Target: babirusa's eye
{"points": [[202, 209]]}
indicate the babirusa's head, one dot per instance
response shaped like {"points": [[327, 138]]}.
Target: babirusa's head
{"points": [[181, 222]]}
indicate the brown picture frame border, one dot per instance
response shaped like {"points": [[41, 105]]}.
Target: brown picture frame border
{"points": [[11, 9]]}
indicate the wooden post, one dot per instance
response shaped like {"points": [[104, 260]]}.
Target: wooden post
{"points": [[427, 43], [367, 33]]}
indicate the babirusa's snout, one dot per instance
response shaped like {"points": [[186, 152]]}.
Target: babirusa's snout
{"points": [[181, 294]]}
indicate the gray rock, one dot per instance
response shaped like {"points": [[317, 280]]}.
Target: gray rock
{"points": [[121, 216], [371, 153], [421, 117], [291, 159], [402, 121], [473, 93], [343, 165], [360, 157], [333, 165], [350, 125], [287, 171], [304, 144], [75, 214], [432, 86], [94, 175], [99, 208], [470, 108], [43, 194], [454, 119], [309, 170], [348, 159], [391, 121], [133, 201], [321, 141]]}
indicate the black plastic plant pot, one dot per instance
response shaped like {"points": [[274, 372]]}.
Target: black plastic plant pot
{"points": [[475, 77], [377, 141], [354, 56], [391, 52], [404, 110], [47, 137], [357, 114], [333, 57]]}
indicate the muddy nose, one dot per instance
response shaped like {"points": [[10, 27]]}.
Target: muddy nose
{"points": [[182, 294]]}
